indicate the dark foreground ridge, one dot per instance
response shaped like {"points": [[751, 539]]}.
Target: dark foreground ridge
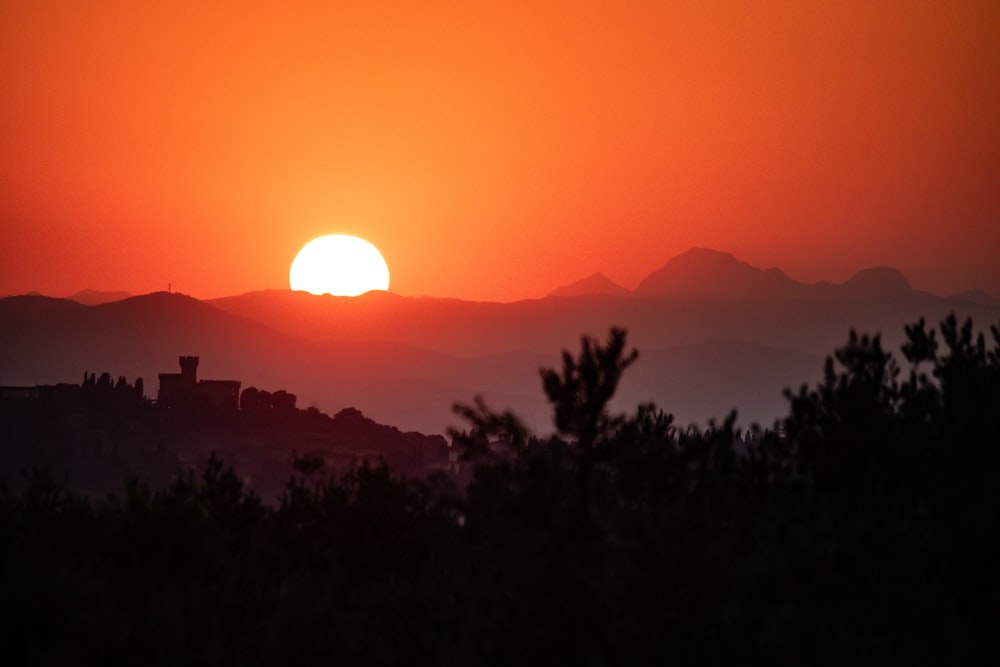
{"points": [[860, 530], [94, 434]]}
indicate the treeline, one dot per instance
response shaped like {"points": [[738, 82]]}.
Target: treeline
{"points": [[107, 400], [859, 529]]}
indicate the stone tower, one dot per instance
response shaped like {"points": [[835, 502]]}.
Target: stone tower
{"points": [[189, 370]]}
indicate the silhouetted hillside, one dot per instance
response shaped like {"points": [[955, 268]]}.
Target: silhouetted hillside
{"points": [[37, 308], [142, 335], [96, 433], [28, 322]]}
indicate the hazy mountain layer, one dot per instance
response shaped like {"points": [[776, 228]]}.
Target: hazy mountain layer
{"points": [[403, 361], [392, 382]]}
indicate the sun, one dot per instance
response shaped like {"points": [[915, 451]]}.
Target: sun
{"points": [[339, 264]]}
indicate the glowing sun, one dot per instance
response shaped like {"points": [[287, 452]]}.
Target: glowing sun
{"points": [[339, 264]]}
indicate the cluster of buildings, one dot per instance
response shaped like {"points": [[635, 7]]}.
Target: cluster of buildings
{"points": [[184, 390], [177, 391]]}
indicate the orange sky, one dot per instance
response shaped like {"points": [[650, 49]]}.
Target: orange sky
{"points": [[495, 151]]}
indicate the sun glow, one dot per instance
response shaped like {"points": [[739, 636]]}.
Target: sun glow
{"points": [[339, 264]]}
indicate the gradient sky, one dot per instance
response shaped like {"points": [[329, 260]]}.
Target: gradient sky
{"points": [[495, 150]]}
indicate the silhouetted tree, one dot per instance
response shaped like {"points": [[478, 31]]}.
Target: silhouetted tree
{"points": [[283, 402], [580, 393], [487, 428]]}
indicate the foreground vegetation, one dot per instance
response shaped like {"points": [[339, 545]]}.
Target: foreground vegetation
{"points": [[862, 528]]}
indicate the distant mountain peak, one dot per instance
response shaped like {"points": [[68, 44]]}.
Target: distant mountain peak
{"points": [[595, 284], [705, 253], [703, 272]]}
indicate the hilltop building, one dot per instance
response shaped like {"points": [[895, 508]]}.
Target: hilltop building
{"points": [[60, 397], [183, 390]]}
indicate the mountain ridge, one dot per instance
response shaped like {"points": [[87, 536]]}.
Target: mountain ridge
{"points": [[697, 272], [393, 383], [404, 361], [702, 272]]}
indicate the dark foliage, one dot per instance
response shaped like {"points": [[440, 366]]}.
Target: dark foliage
{"points": [[860, 529]]}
